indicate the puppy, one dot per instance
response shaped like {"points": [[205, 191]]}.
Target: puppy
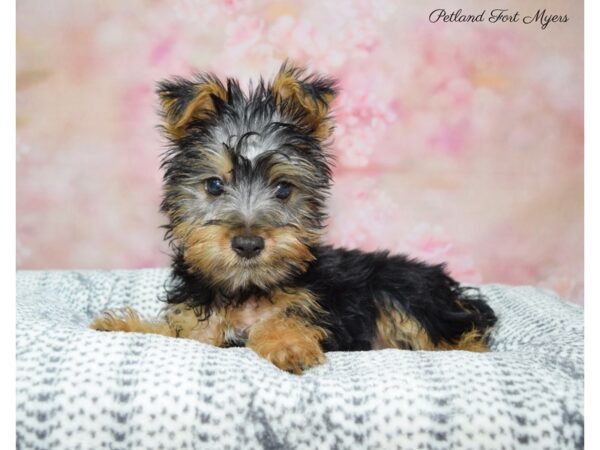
{"points": [[245, 183]]}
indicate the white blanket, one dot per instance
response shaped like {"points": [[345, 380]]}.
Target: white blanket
{"points": [[82, 389]]}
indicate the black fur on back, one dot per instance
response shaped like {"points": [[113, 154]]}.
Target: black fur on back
{"points": [[349, 283]]}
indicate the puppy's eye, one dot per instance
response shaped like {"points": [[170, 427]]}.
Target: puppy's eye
{"points": [[283, 190], [214, 186]]}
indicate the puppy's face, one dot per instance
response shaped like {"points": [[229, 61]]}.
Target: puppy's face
{"points": [[246, 175]]}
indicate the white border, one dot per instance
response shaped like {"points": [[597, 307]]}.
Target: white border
{"points": [[7, 133], [592, 222]]}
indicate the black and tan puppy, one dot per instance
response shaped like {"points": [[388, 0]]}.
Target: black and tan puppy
{"points": [[246, 178]]}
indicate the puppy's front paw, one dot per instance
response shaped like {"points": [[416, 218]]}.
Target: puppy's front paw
{"points": [[292, 348], [295, 357], [125, 319], [129, 320]]}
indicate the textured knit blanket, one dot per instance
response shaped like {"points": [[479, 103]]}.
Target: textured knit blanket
{"points": [[82, 389]]}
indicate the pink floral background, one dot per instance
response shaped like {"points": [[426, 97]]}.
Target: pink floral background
{"points": [[455, 142]]}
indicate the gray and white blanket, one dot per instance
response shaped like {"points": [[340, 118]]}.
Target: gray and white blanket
{"points": [[82, 389]]}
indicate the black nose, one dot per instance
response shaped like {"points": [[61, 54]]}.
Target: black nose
{"points": [[247, 246]]}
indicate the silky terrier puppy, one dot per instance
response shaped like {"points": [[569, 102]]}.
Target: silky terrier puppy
{"points": [[245, 183]]}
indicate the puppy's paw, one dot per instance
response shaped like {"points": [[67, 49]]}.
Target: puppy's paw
{"points": [[129, 320], [296, 357], [125, 319], [288, 346]]}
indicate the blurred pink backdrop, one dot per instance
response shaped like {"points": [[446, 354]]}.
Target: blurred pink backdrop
{"points": [[455, 142]]}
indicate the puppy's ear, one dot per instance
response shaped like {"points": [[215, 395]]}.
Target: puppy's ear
{"points": [[306, 99], [183, 101]]}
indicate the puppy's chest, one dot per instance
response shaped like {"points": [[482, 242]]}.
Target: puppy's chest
{"points": [[239, 320]]}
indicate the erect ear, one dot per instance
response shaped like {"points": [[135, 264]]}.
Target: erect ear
{"points": [[305, 98], [183, 101]]}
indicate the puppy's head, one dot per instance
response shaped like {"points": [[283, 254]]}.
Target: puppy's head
{"points": [[246, 175]]}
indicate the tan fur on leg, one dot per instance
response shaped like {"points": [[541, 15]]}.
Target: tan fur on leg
{"points": [[471, 341], [129, 320], [176, 321], [398, 330], [184, 322], [288, 342]]}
